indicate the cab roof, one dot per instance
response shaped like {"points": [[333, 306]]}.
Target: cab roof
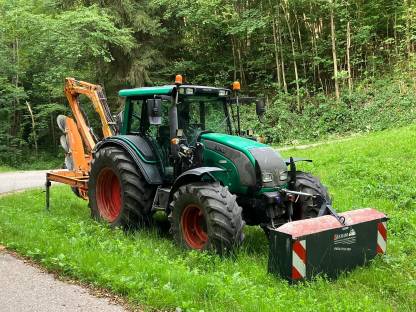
{"points": [[168, 90], [163, 90]]}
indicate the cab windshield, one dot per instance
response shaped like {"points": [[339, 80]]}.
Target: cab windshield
{"points": [[200, 113]]}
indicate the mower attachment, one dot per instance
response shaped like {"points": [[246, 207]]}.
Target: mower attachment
{"points": [[302, 249]]}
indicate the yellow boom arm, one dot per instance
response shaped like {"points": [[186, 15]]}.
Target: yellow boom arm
{"points": [[73, 88]]}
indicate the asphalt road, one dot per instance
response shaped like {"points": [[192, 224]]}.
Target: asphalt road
{"points": [[26, 288], [21, 180]]}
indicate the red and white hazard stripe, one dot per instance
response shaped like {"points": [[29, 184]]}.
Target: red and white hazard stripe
{"points": [[381, 237], [299, 259]]}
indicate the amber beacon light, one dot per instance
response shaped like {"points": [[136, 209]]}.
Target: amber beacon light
{"points": [[236, 86], [178, 79]]}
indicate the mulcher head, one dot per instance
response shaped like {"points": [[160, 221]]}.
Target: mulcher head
{"points": [[61, 121], [300, 250], [71, 142]]}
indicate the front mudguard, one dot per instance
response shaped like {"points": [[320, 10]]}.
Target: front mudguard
{"points": [[190, 176]]}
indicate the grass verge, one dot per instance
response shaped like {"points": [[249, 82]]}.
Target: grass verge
{"points": [[377, 170], [6, 169]]}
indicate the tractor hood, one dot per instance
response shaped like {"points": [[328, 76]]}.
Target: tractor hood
{"points": [[233, 141], [245, 153]]}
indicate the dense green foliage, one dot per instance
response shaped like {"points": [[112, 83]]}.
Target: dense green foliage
{"points": [[40, 45], [323, 66], [150, 270], [382, 104]]}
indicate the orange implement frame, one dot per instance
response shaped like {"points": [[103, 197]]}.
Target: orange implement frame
{"points": [[73, 89], [80, 138], [75, 179], [81, 161]]}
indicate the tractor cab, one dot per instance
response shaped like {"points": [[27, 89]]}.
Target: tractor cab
{"points": [[172, 119], [192, 109]]}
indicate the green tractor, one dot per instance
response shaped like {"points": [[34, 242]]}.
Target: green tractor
{"points": [[180, 150]]}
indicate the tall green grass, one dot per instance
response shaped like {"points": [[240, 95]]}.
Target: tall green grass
{"points": [[377, 170]]}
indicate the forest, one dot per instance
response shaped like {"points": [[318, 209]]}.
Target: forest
{"points": [[325, 67]]}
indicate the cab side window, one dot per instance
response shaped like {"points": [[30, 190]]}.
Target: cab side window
{"points": [[136, 116]]}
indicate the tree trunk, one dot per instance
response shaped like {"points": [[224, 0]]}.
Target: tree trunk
{"points": [[234, 59], [395, 33], [35, 139], [310, 28], [292, 41], [240, 63], [15, 125], [282, 58], [318, 66], [52, 123], [334, 52], [348, 58], [301, 45], [408, 29], [276, 51]]}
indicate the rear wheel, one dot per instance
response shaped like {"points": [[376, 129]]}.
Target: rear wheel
{"points": [[205, 216], [306, 207], [117, 191], [108, 194]]}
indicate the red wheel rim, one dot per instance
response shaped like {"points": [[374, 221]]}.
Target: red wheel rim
{"points": [[194, 227], [108, 195]]}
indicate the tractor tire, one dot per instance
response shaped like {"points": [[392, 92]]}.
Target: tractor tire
{"points": [[117, 191], [305, 207], [206, 216]]}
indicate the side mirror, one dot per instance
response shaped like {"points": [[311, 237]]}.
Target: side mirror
{"points": [[154, 111], [260, 108]]}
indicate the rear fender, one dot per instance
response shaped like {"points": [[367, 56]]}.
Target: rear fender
{"points": [[141, 153]]}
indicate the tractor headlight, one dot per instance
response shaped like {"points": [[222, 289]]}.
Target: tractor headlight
{"points": [[189, 91], [283, 176], [222, 93], [267, 177]]}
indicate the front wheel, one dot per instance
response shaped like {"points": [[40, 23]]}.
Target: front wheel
{"points": [[206, 216], [305, 207]]}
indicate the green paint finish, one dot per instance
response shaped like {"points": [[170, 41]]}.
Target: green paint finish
{"points": [[134, 147], [146, 91], [241, 144], [229, 177]]}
